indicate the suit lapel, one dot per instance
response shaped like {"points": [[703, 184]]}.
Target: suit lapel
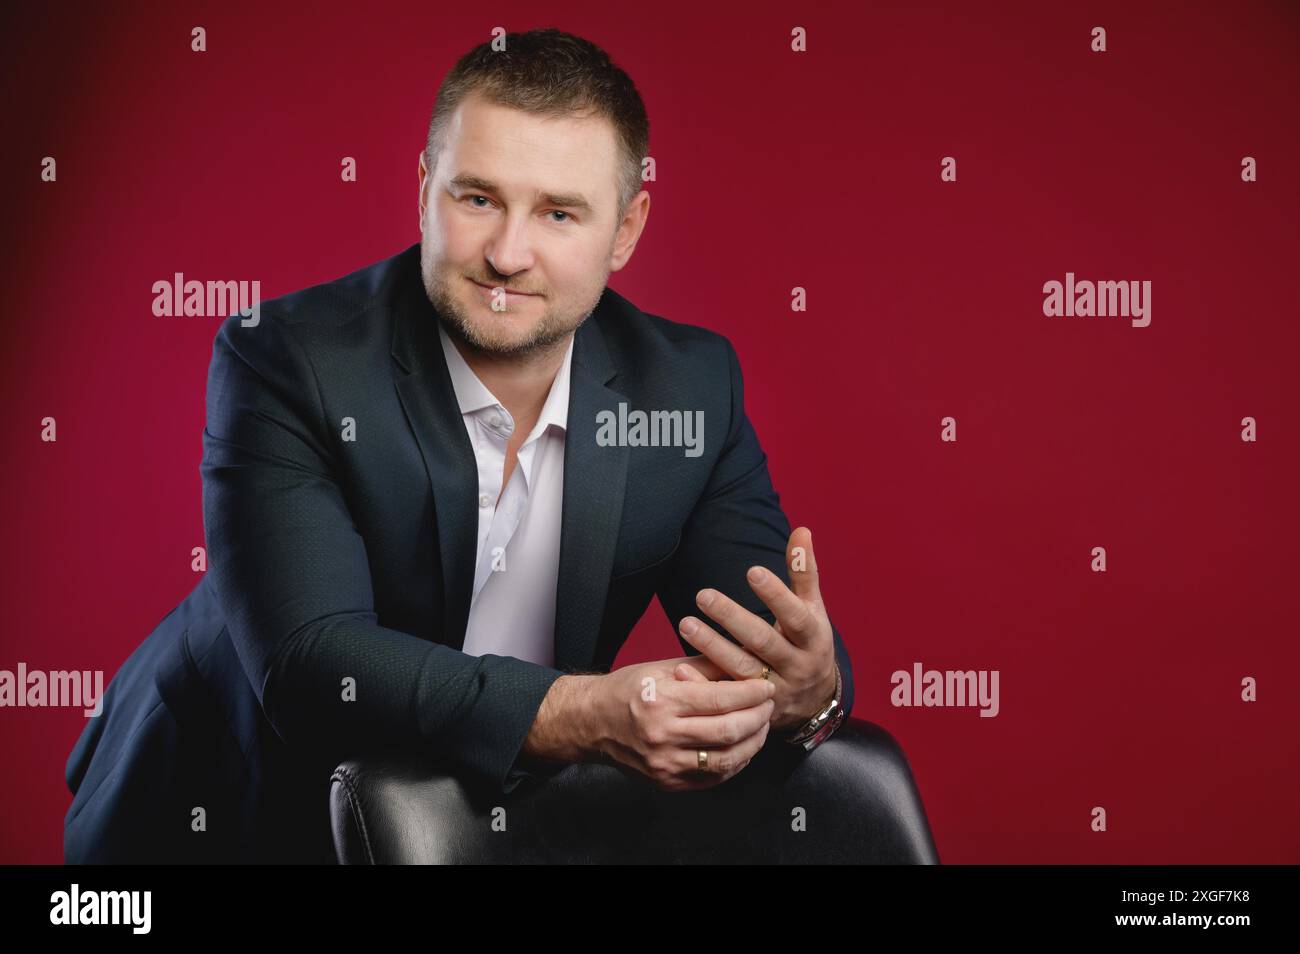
{"points": [[430, 403], [594, 476], [594, 482]]}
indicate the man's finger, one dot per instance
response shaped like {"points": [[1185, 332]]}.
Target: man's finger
{"points": [[732, 659], [702, 665], [802, 564], [689, 672], [796, 619], [713, 698], [726, 729], [753, 632]]}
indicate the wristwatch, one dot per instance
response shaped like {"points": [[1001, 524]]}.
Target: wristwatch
{"points": [[820, 727]]}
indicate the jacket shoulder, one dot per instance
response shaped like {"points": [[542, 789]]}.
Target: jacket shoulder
{"points": [[640, 339], [338, 301]]}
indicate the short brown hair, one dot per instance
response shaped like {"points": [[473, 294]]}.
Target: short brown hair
{"points": [[550, 73]]}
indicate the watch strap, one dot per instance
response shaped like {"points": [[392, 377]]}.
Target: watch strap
{"points": [[824, 723]]}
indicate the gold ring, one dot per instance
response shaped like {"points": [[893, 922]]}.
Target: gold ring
{"points": [[704, 760], [766, 671]]}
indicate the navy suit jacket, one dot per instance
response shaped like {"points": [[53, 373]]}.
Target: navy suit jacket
{"points": [[336, 563]]}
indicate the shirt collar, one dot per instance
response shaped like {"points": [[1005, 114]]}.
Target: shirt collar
{"points": [[473, 395]]}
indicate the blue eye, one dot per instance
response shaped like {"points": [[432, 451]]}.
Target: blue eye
{"points": [[471, 198]]}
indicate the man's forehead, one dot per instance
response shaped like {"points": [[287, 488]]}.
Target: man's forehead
{"points": [[477, 145], [479, 123]]}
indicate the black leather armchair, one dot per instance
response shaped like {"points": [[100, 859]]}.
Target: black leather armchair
{"points": [[854, 795]]}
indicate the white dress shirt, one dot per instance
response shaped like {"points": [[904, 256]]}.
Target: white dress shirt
{"points": [[512, 611]]}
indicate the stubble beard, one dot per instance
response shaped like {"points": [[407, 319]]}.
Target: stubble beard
{"points": [[551, 329]]}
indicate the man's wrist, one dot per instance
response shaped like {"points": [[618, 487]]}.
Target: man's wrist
{"points": [[824, 721], [566, 727]]}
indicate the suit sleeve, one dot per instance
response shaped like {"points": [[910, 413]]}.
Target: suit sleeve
{"points": [[738, 523], [293, 578]]}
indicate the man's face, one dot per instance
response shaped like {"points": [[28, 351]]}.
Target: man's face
{"points": [[526, 204]]}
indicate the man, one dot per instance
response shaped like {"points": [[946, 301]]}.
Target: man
{"points": [[426, 535]]}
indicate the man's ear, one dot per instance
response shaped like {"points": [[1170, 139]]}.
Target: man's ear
{"points": [[629, 230], [420, 174], [423, 179]]}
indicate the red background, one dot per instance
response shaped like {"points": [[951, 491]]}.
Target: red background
{"points": [[775, 169]]}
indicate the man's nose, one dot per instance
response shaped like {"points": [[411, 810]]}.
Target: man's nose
{"points": [[510, 249]]}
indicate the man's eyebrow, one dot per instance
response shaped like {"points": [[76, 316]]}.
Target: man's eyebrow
{"points": [[574, 200]]}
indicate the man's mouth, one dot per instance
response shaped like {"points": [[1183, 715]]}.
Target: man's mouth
{"points": [[508, 291]]}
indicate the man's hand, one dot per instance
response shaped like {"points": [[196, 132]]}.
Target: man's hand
{"points": [[799, 648], [652, 721]]}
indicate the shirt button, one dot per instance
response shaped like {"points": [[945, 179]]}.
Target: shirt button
{"points": [[484, 500], [494, 421]]}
